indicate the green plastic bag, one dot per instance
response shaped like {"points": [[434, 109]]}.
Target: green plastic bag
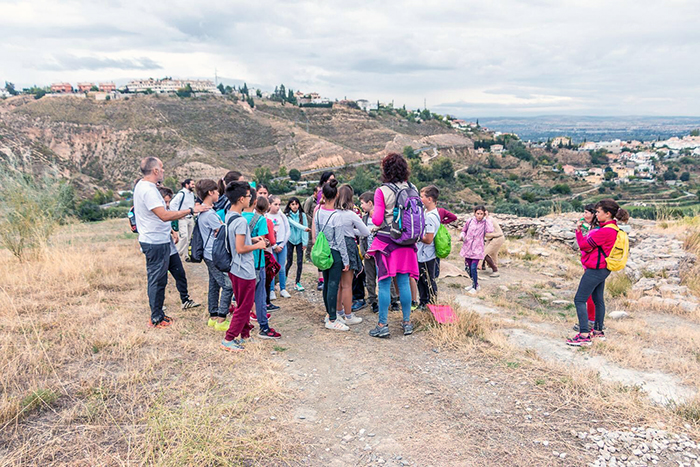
{"points": [[443, 242], [321, 254]]}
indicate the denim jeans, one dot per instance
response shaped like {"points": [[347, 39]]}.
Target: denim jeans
{"points": [[220, 291], [592, 285], [331, 281], [385, 297], [472, 266], [261, 300], [281, 258], [157, 264]]}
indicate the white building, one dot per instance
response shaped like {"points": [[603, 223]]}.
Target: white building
{"points": [[171, 85], [689, 142], [366, 105], [4, 93]]}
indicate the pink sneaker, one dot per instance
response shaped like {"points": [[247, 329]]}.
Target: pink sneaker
{"points": [[579, 341]]}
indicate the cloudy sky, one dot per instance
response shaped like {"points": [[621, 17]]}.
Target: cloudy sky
{"points": [[467, 58]]}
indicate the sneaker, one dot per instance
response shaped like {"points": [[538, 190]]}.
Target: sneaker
{"points": [[212, 322], [190, 304], [232, 346], [222, 326], [164, 323], [336, 325], [271, 307], [358, 305], [299, 287], [273, 295], [352, 319], [600, 335], [407, 328], [379, 331], [284, 293], [472, 290], [253, 316], [495, 274], [375, 308], [269, 334], [395, 306], [414, 305], [320, 285], [579, 341]]}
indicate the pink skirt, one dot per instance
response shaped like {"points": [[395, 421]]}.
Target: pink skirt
{"points": [[393, 259]]}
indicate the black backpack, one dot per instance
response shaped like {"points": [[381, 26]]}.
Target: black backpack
{"points": [[221, 250], [131, 215], [197, 245]]}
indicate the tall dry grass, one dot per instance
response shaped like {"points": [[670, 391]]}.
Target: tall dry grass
{"points": [[83, 380]]}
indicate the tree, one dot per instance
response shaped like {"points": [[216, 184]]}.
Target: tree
{"points": [[10, 88], [363, 181], [685, 176], [493, 163], [228, 90], [295, 175], [94, 88], [263, 175], [39, 94], [221, 88], [695, 132], [670, 175], [561, 189], [599, 157], [258, 93], [250, 102], [184, 92], [282, 172], [425, 115], [442, 168], [409, 153], [291, 98], [244, 89]]}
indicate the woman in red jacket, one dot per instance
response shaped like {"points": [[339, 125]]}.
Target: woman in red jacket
{"points": [[595, 248]]}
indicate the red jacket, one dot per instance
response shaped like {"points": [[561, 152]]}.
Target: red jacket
{"points": [[591, 245], [446, 217]]}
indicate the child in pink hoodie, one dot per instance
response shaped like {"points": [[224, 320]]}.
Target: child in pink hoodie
{"points": [[473, 248]]}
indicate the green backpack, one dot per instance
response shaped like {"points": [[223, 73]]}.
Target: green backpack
{"points": [[321, 254], [443, 242]]}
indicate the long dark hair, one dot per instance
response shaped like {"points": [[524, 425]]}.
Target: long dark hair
{"points": [[591, 208], [288, 209], [610, 206], [325, 176], [231, 176]]}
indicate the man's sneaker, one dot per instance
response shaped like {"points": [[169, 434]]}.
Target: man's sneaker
{"points": [[231, 346], [579, 341], [190, 304], [269, 334], [212, 322], [284, 294], [271, 307], [299, 287], [352, 319], [358, 305], [273, 295], [600, 335], [379, 331], [164, 323], [336, 325], [407, 328], [222, 326], [320, 285], [495, 274], [375, 308], [395, 306]]}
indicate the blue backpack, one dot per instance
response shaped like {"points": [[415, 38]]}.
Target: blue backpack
{"points": [[221, 249]]}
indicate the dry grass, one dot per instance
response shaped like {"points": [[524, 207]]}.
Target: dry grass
{"points": [[468, 330], [84, 381], [618, 285]]}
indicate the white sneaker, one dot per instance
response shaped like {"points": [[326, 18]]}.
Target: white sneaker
{"points": [[285, 294], [472, 290], [273, 295], [352, 319], [336, 325]]}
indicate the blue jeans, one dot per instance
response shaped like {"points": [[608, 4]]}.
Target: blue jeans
{"points": [[472, 266], [261, 300], [220, 291], [385, 297], [281, 258], [592, 285]]}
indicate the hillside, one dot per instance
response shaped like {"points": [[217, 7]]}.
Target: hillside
{"points": [[100, 143]]}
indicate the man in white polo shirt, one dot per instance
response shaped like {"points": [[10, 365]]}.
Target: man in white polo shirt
{"points": [[153, 223], [184, 199]]}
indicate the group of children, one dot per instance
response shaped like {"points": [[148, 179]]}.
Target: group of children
{"points": [[264, 239]]}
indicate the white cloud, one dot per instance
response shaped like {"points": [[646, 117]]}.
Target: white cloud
{"points": [[502, 57]]}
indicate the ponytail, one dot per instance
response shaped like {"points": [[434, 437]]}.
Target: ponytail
{"points": [[614, 209]]}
